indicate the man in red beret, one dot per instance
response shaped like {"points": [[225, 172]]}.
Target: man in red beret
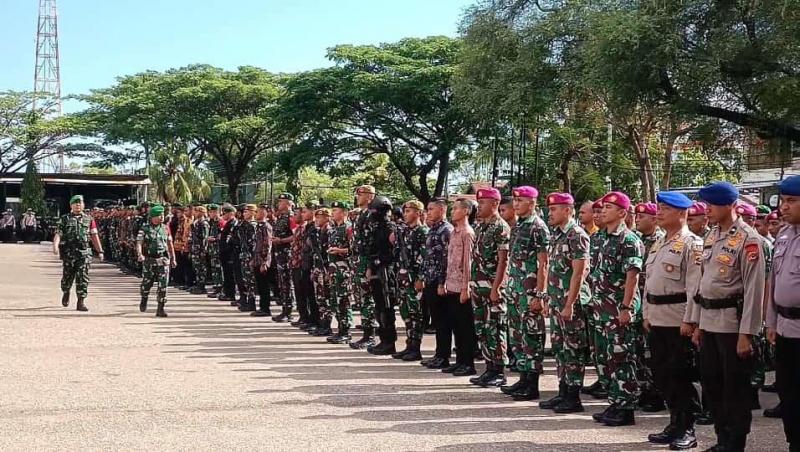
{"points": [[488, 269], [617, 309], [697, 219], [598, 389]]}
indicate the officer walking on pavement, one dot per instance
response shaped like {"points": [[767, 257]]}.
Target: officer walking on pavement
{"points": [[154, 250]]}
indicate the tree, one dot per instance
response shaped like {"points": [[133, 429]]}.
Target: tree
{"points": [[32, 190], [28, 135], [394, 100], [176, 178]]}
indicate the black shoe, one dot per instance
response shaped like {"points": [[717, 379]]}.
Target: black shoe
{"points": [[401, 353], [685, 440], [598, 417], [496, 380], [427, 361], [81, 305], [224, 298], [65, 299], [261, 314], [601, 393], [325, 331], [299, 323], [412, 355], [464, 371], [653, 405], [213, 295], [341, 338], [383, 348], [704, 418], [234, 302], [551, 403], [280, 318], [770, 388], [510, 389], [363, 343], [160, 311], [591, 388], [480, 378], [197, 291], [669, 434], [312, 330], [451, 368], [773, 412], [143, 304], [571, 403], [619, 418], [246, 307], [438, 363], [306, 326]]}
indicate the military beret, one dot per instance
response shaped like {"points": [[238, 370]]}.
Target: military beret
{"points": [[488, 193], [212, 207], [312, 205], [76, 199], [773, 216], [674, 199], [555, 199], [339, 205], [597, 204], [365, 189], [323, 211], [413, 204], [719, 194], [228, 208], [698, 209], [250, 207], [156, 211], [763, 210], [790, 186], [617, 198], [525, 191], [647, 208], [286, 197], [200, 209], [746, 210]]}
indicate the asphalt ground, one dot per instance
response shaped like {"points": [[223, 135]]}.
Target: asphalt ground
{"points": [[211, 378]]}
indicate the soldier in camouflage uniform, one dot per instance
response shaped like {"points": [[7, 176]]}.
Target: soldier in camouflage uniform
{"points": [[411, 246], [525, 293], [154, 250], [247, 244], [598, 389], [362, 240], [650, 399], [489, 260], [616, 308], [568, 293], [339, 272], [214, 261], [71, 242], [352, 262], [282, 251], [198, 246], [318, 240]]}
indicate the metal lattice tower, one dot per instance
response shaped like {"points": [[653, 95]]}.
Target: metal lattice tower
{"points": [[47, 74]]}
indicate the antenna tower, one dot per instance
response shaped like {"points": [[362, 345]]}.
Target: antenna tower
{"points": [[47, 74]]}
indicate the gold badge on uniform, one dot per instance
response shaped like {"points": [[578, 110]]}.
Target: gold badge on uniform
{"points": [[724, 259], [669, 268], [723, 270], [677, 247], [733, 242]]}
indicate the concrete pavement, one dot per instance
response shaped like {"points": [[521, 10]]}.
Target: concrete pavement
{"points": [[210, 378]]}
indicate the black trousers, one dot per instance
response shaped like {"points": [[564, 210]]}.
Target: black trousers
{"points": [[436, 305], [183, 267], [302, 303], [787, 374], [726, 381], [384, 310], [459, 319], [304, 294], [262, 286], [228, 279], [672, 371]]}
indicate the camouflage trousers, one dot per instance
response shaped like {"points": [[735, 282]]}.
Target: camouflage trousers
{"points": [[525, 330], [248, 288], [283, 275], [599, 354], [761, 352], [353, 285], [644, 360], [200, 269], [368, 320], [76, 269], [322, 293], [620, 344], [410, 306], [215, 264], [339, 276], [491, 324], [570, 343], [155, 271]]}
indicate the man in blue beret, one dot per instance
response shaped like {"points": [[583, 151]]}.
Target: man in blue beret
{"points": [[673, 272], [726, 314]]}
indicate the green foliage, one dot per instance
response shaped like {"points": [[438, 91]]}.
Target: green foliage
{"points": [[32, 190], [176, 179]]}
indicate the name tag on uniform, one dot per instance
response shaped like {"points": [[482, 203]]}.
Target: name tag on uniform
{"points": [[564, 248]]}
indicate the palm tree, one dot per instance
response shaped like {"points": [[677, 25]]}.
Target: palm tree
{"points": [[175, 178]]}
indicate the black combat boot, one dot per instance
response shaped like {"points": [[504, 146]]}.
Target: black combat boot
{"points": [[342, 338], [413, 353], [81, 306], [284, 316], [551, 403], [530, 391], [402, 353], [619, 417], [65, 299], [143, 304], [487, 374], [651, 401], [510, 389], [160, 310], [598, 417], [324, 330], [497, 379], [383, 348], [571, 403], [669, 433], [366, 341], [773, 412], [684, 437], [262, 313], [247, 304], [588, 390]]}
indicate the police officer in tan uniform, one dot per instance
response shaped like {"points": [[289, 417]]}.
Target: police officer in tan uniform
{"points": [[673, 273], [727, 314]]}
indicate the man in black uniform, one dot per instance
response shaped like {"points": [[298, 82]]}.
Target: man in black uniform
{"points": [[381, 257], [227, 253]]}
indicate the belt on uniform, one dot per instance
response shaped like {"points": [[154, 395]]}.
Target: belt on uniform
{"points": [[719, 303], [667, 299], [788, 313]]}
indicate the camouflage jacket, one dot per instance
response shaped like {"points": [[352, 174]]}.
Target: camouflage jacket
{"points": [[75, 231], [155, 239], [317, 242], [529, 237], [363, 234], [198, 240], [411, 243], [568, 244], [619, 252], [491, 236], [339, 238], [283, 229], [246, 233]]}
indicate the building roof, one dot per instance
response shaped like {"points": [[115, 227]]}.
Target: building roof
{"points": [[80, 179]]}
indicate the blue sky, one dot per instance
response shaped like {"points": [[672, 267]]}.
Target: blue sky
{"points": [[102, 39]]}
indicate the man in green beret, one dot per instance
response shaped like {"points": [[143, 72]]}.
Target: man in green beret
{"points": [[214, 262], [71, 242], [154, 251], [282, 236]]}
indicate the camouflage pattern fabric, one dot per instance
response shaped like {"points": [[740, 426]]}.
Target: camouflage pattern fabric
{"points": [[198, 246], [214, 262], [411, 246], [76, 256], [595, 329], [247, 244], [155, 268], [569, 337], [339, 277], [529, 237], [283, 256], [363, 232], [318, 239]]}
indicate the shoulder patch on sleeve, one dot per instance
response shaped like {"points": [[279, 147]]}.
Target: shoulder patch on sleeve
{"points": [[752, 251]]}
